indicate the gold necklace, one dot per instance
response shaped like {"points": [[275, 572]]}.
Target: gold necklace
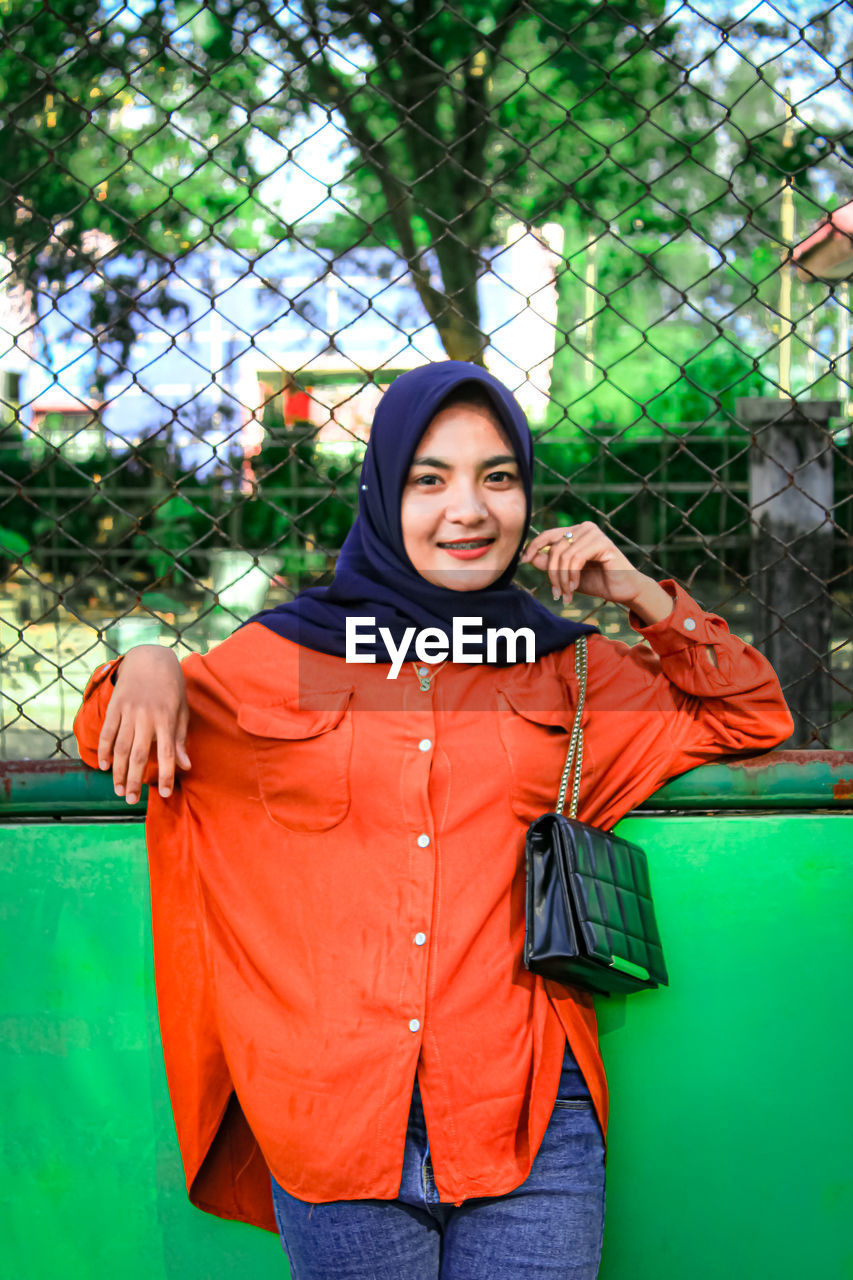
{"points": [[424, 674]]}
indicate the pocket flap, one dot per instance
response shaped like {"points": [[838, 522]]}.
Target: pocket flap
{"points": [[304, 719], [543, 702]]}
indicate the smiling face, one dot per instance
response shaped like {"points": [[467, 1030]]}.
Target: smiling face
{"points": [[463, 509]]}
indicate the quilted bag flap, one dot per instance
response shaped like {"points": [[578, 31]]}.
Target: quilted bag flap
{"points": [[608, 880]]}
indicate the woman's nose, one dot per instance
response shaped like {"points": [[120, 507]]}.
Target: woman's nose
{"points": [[465, 505]]}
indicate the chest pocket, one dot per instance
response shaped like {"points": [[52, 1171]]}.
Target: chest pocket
{"points": [[302, 757], [535, 723]]}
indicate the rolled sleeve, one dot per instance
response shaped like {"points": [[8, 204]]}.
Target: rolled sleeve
{"points": [[90, 718], [661, 706], [681, 642], [686, 625]]}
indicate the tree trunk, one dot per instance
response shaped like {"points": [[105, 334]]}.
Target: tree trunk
{"points": [[456, 311], [461, 339]]}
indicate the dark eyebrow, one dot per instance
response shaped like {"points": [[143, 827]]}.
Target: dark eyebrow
{"points": [[430, 462], [445, 466]]}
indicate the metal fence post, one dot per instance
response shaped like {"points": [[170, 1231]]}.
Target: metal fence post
{"points": [[791, 522]]}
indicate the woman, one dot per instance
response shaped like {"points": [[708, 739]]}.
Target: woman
{"points": [[337, 879]]}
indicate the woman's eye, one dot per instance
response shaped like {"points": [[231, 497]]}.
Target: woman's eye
{"points": [[501, 476], [426, 481]]}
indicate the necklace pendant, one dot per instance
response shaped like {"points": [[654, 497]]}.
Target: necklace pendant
{"points": [[424, 676]]}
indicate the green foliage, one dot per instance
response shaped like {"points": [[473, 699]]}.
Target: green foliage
{"points": [[671, 289], [113, 148], [654, 491], [460, 117], [168, 533], [305, 496], [14, 548], [138, 519], [138, 126], [128, 137]]}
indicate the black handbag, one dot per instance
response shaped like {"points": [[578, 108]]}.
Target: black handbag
{"points": [[590, 921]]}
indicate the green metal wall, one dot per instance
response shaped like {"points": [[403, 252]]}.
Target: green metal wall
{"points": [[730, 1144]]}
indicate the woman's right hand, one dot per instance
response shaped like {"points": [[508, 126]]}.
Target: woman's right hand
{"points": [[149, 703]]}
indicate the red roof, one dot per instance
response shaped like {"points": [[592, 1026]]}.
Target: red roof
{"points": [[57, 401], [827, 254]]}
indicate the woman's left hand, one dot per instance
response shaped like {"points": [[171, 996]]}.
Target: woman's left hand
{"points": [[587, 561]]}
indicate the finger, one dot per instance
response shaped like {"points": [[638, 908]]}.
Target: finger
{"points": [[569, 571], [592, 550], [121, 753], [557, 555], [549, 556], [138, 759], [181, 738], [542, 543], [571, 557], [106, 741], [165, 757], [545, 558], [550, 559], [571, 565], [558, 570], [561, 574]]}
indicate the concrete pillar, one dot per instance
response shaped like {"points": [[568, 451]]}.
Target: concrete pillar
{"points": [[791, 501]]}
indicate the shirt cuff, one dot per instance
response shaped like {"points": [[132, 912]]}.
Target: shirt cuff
{"points": [[686, 625]]}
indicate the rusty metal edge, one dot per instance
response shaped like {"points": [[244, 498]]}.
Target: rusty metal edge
{"points": [[775, 780]]}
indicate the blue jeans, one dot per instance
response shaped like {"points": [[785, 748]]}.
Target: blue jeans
{"points": [[550, 1226]]}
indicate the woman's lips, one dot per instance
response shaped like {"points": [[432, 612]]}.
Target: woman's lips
{"points": [[467, 548]]}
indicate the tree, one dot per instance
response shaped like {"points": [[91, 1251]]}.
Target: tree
{"points": [[456, 116], [125, 142], [681, 275]]}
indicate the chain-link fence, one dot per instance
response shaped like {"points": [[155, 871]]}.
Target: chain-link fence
{"points": [[226, 226]]}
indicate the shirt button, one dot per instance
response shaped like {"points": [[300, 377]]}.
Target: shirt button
{"points": [[424, 744], [420, 939], [689, 624], [423, 671], [423, 841], [414, 1025]]}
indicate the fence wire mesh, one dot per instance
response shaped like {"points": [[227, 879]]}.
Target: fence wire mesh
{"points": [[225, 227]]}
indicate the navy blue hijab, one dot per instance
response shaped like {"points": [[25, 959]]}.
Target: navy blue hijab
{"points": [[375, 578]]}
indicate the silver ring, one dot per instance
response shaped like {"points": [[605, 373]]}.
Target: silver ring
{"points": [[568, 534]]}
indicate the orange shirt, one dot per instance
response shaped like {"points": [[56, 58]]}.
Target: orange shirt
{"points": [[338, 896]]}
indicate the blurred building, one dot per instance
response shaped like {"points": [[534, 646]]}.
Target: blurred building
{"points": [[222, 346]]}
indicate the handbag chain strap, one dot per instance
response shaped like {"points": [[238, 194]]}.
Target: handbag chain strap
{"points": [[575, 751]]}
